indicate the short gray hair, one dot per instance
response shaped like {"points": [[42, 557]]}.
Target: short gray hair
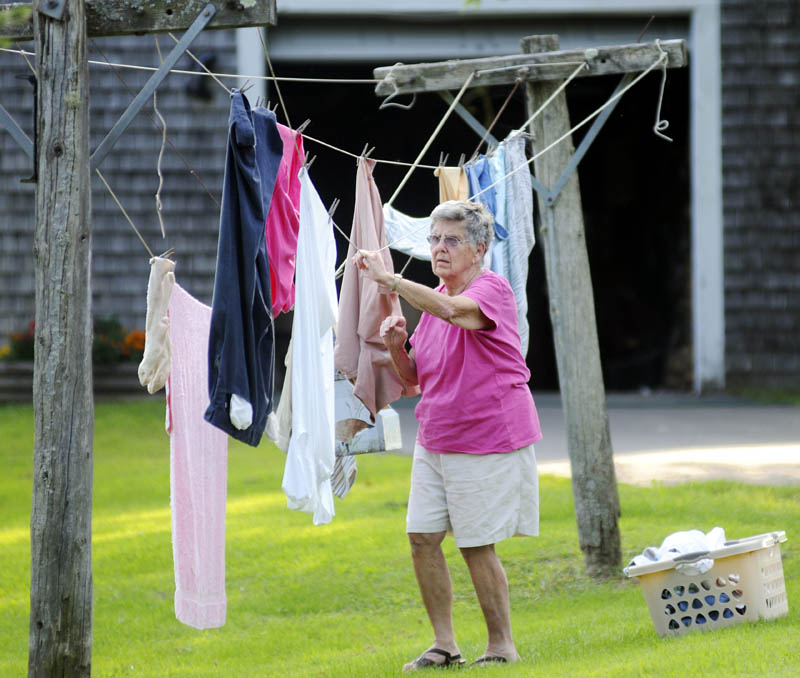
{"points": [[478, 221]]}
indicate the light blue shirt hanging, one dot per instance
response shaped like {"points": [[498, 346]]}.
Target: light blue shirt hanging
{"points": [[499, 255], [479, 177]]}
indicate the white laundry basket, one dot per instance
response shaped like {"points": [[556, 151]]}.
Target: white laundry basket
{"points": [[745, 584]]}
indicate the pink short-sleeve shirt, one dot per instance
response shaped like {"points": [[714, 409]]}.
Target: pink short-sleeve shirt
{"points": [[474, 383]]}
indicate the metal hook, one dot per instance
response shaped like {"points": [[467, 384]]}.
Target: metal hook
{"points": [[387, 101], [661, 125]]}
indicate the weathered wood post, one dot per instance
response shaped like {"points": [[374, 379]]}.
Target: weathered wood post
{"points": [[572, 315], [61, 519]]}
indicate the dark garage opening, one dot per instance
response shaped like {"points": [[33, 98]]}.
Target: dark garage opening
{"points": [[634, 187]]}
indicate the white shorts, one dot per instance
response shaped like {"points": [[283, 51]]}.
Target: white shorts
{"points": [[481, 498]]}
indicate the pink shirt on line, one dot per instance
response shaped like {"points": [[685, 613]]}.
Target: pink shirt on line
{"points": [[474, 383], [198, 470], [283, 221]]}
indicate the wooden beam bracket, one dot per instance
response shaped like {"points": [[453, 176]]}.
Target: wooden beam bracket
{"points": [[129, 17], [52, 8]]}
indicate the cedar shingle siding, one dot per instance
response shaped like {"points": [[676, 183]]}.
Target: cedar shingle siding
{"points": [[761, 190], [120, 266]]}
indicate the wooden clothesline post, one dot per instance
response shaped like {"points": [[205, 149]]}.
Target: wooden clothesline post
{"points": [[544, 67], [60, 641], [572, 316], [61, 517]]}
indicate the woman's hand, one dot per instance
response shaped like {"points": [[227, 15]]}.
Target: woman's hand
{"points": [[393, 331], [371, 265]]}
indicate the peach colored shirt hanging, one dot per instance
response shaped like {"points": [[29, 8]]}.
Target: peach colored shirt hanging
{"points": [[360, 352], [452, 183]]}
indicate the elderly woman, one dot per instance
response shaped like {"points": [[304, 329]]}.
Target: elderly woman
{"points": [[474, 469]]}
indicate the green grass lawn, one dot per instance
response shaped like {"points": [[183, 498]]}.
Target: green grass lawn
{"points": [[341, 600]]}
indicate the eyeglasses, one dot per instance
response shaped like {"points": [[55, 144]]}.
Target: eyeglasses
{"points": [[449, 241]]}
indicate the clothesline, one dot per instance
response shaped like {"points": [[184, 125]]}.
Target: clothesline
{"points": [[358, 155], [236, 76], [590, 117], [124, 212], [432, 137], [242, 76], [416, 164], [211, 74], [107, 62], [455, 103], [558, 91], [664, 55], [567, 134], [305, 136]]}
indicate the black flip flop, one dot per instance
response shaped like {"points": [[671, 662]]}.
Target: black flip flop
{"points": [[489, 659], [422, 662]]}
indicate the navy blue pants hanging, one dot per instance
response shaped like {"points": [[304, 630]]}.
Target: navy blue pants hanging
{"points": [[241, 345]]}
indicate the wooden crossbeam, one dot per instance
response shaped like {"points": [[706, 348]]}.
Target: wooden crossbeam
{"points": [[443, 75], [118, 17]]}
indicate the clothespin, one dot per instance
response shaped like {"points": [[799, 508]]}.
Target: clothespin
{"points": [[461, 160], [247, 85], [333, 207], [308, 164], [302, 127], [443, 158], [169, 254], [367, 150]]}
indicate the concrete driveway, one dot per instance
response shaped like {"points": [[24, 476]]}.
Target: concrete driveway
{"points": [[673, 438]]}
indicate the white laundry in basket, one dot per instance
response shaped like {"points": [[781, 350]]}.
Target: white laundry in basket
{"points": [[681, 543]]}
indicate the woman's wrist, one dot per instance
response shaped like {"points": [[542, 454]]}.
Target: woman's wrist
{"points": [[396, 278]]}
